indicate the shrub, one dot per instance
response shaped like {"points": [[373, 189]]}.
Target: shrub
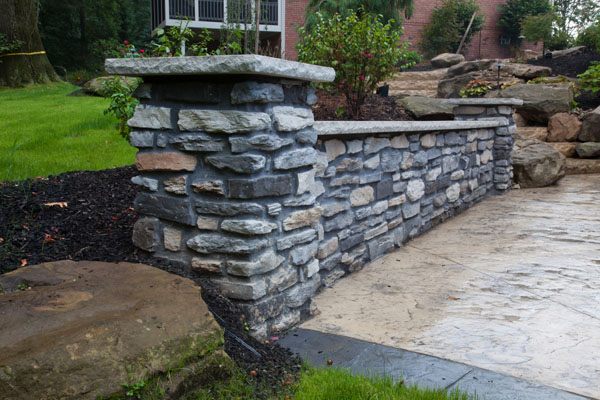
{"points": [[475, 88], [590, 79], [538, 28], [513, 13], [362, 50], [590, 37], [122, 105], [412, 57], [448, 24]]}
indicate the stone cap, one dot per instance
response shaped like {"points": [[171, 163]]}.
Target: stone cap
{"points": [[485, 101], [246, 64], [338, 128]]}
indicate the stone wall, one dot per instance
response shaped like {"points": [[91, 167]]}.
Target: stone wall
{"points": [[238, 182]]}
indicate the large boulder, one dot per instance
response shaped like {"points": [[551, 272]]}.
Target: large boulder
{"points": [[535, 163], [445, 60], [573, 51], [80, 330], [95, 87], [427, 109], [457, 76], [563, 127], [588, 150], [540, 102], [567, 149], [590, 127], [527, 71], [469, 66]]}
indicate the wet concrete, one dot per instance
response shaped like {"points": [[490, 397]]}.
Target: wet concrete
{"points": [[510, 286]]}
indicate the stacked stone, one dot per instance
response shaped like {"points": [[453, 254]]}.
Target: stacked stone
{"points": [[385, 189], [504, 141], [228, 189]]}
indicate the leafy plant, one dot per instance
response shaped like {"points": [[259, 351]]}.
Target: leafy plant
{"points": [[134, 390], [412, 57], [122, 105], [448, 24], [590, 37], [513, 13], [174, 41], [590, 79], [362, 50], [475, 88], [8, 46]]}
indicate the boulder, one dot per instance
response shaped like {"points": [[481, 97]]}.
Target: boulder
{"points": [[445, 60], [519, 120], [534, 132], [451, 87], [469, 66], [427, 109], [577, 166], [535, 163], [81, 330], [527, 71], [590, 127], [95, 87], [540, 102], [588, 150], [568, 52], [563, 127], [567, 149]]}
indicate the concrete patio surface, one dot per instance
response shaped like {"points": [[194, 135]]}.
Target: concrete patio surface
{"points": [[510, 286]]}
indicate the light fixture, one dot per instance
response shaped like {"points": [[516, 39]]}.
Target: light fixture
{"points": [[499, 65]]}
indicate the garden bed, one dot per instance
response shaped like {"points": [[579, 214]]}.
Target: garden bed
{"points": [[375, 108]]}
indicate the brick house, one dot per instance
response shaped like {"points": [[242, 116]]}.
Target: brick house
{"points": [[281, 17]]}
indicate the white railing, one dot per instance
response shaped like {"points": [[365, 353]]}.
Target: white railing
{"points": [[213, 14]]}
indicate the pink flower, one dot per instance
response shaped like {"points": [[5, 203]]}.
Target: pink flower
{"points": [[362, 77], [125, 41], [142, 51], [170, 54], [122, 51]]}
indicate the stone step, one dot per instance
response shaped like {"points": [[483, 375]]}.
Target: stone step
{"points": [[578, 166], [535, 132], [404, 92], [415, 85], [566, 148], [433, 75]]}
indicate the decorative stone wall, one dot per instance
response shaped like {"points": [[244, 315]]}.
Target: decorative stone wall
{"points": [[238, 182]]}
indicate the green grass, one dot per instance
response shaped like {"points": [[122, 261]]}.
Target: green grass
{"points": [[45, 132], [334, 384]]}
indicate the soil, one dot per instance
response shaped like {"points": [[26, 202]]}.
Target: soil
{"points": [[375, 108], [571, 67], [87, 215]]}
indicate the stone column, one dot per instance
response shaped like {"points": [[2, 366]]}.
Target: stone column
{"points": [[476, 109], [227, 186]]}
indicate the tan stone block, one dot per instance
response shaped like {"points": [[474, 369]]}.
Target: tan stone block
{"points": [[566, 148], [208, 186], [207, 224], [302, 218], [327, 248], [165, 162], [563, 127], [176, 184], [172, 239], [334, 148], [206, 266], [362, 196]]}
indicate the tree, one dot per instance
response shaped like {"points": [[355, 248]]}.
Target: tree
{"points": [[389, 9], [19, 23], [513, 13], [575, 15], [448, 24], [539, 28]]}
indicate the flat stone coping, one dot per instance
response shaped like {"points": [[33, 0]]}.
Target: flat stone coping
{"points": [[493, 101], [337, 128], [246, 64]]}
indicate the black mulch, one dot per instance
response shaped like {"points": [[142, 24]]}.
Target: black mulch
{"points": [[375, 108], [87, 215], [571, 67]]}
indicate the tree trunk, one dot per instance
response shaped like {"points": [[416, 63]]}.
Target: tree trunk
{"points": [[19, 21]]}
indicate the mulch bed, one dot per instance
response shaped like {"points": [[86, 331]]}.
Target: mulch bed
{"points": [[87, 215], [571, 67], [376, 108]]}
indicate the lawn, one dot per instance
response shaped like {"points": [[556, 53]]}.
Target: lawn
{"points": [[44, 131]]}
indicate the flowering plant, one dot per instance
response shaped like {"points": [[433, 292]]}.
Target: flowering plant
{"points": [[475, 88]]}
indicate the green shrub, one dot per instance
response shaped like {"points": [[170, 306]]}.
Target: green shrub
{"points": [[448, 24], [590, 79], [362, 50], [590, 37], [412, 57], [122, 105], [513, 13], [475, 88]]}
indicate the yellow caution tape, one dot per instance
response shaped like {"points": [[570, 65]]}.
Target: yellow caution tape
{"points": [[23, 54]]}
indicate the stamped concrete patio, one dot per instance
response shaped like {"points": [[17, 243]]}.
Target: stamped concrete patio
{"points": [[510, 286]]}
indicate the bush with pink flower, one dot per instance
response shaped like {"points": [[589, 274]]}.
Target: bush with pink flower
{"points": [[362, 50]]}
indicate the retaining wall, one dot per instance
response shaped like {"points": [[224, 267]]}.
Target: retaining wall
{"points": [[237, 181]]}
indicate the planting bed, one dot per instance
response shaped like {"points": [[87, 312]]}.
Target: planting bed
{"points": [[92, 219], [376, 108]]}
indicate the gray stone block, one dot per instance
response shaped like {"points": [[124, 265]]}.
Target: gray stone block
{"points": [[242, 289], [330, 262], [197, 142], [390, 160], [140, 139], [228, 209], [148, 183], [340, 221], [165, 207], [255, 92], [299, 294], [207, 243], [269, 143], [213, 121], [307, 136], [250, 227], [384, 189], [351, 241], [297, 238], [380, 246], [409, 210], [420, 159], [146, 235], [151, 117], [266, 262], [258, 312], [287, 119], [243, 164], [302, 254], [296, 158], [275, 185], [370, 178]]}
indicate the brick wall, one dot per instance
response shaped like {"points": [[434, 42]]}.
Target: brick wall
{"points": [[485, 44]]}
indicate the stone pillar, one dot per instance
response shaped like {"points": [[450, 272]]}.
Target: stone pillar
{"points": [[477, 109], [227, 177]]}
